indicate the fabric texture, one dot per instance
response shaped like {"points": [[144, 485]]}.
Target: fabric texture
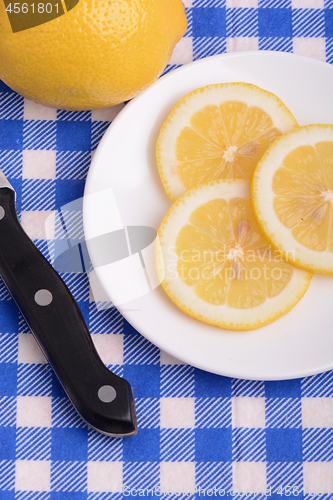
{"points": [[199, 434]]}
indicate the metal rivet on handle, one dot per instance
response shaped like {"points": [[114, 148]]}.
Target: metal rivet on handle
{"points": [[2, 212], [43, 297], [107, 393]]}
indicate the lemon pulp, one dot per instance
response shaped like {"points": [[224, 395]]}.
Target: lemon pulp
{"points": [[306, 209], [222, 255], [223, 141]]}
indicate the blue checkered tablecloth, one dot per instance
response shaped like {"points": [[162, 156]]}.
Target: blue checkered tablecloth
{"points": [[199, 434]]}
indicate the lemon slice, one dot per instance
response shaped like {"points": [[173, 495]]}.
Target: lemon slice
{"points": [[292, 193], [216, 265], [218, 131]]}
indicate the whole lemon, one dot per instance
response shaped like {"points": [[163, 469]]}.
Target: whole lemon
{"points": [[96, 54]]}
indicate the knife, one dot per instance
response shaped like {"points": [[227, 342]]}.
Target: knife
{"points": [[104, 400]]}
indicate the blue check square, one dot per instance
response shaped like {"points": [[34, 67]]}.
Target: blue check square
{"points": [[73, 135], [213, 445], [145, 380], [7, 443], [328, 23], [6, 494], [292, 493], [144, 447], [83, 300], [11, 135], [209, 22], [57, 389], [68, 495], [279, 389], [5, 88], [8, 373], [128, 328], [274, 23], [284, 445], [9, 315], [211, 385], [68, 190], [69, 444]]}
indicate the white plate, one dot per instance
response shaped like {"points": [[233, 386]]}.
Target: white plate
{"points": [[296, 345]]}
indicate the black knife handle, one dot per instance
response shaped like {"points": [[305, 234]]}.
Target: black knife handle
{"points": [[60, 330]]}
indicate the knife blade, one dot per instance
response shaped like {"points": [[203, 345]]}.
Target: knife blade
{"points": [[103, 399]]}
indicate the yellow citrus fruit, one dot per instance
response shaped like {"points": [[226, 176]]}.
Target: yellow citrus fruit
{"points": [[218, 131], [215, 264], [97, 54], [292, 193]]}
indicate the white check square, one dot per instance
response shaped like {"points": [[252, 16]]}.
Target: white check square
{"points": [[33, 475], [105, 477], [177, 413], [39, 164], [29, 351], [317, 412], [177, 476], [110, 347], [249, 477], [34, 411], [318, 477], [248, 412]]}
